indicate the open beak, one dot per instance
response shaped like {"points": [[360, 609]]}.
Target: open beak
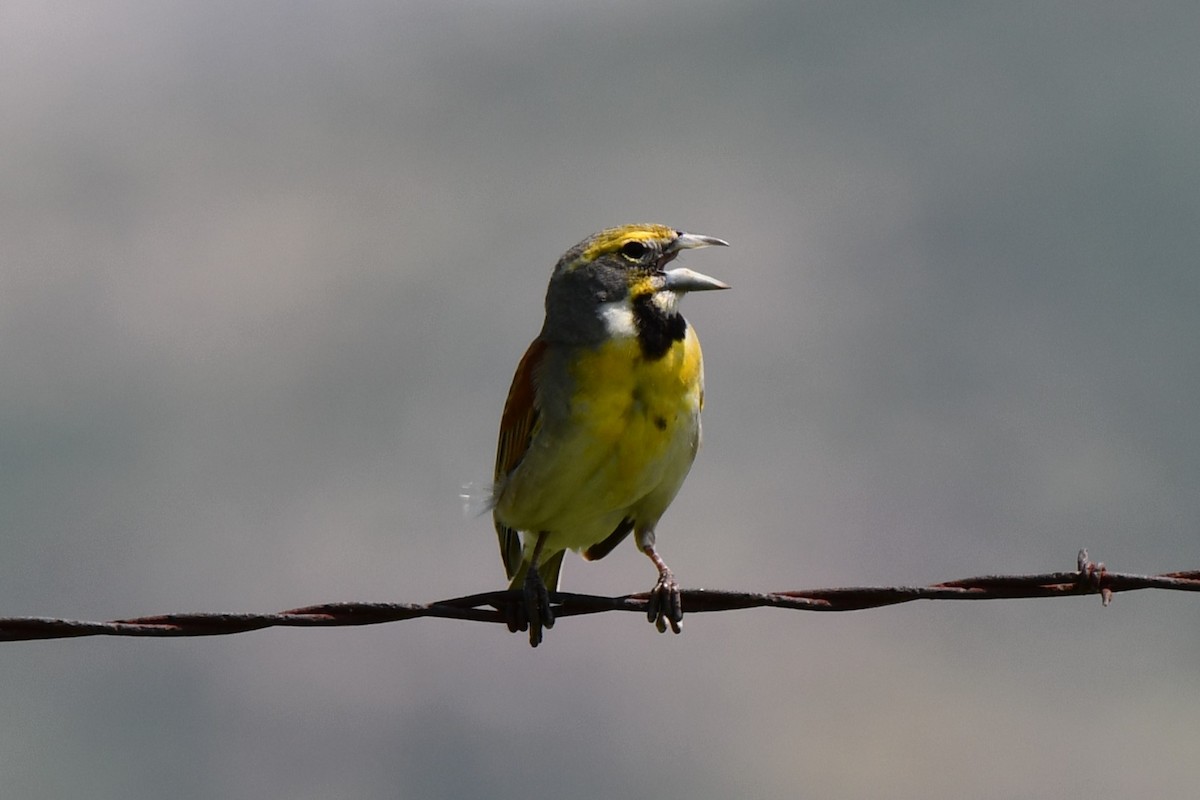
{"points": [[690, 241], [681, 279]]}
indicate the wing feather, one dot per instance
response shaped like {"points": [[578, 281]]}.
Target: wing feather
{"points": [[601, 549], [517, 426]]}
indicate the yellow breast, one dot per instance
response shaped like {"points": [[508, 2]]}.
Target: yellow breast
{"points": [[645, 413], [625, 436]]}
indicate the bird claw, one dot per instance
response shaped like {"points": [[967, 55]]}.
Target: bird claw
{"points": [[533, 613], [665, 605], [514, 616]]}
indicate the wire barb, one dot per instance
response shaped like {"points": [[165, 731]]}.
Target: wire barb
{"points": [[1089, 578]]}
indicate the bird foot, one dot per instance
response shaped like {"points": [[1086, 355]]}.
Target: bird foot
{"points": [[665, 604], [533, 612]]}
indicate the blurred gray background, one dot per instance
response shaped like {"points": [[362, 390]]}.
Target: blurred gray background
{"points": [[266, 270]]}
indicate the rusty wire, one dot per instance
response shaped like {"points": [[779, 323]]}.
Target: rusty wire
{"points": [[1089, 578]]}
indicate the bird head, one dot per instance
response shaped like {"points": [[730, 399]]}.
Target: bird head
{"points": [[597, 283]]}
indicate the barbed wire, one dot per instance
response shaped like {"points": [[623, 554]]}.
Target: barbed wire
{"points": [[1089, 578]]}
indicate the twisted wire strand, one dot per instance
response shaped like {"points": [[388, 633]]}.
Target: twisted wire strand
{"points": [[1090, 578]]}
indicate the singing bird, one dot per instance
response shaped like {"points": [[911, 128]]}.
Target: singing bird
{"points": [[602, 421]]}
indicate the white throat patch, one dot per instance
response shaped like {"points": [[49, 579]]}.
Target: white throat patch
{"points": [[666, 302], [618, 314], [618, 318]]}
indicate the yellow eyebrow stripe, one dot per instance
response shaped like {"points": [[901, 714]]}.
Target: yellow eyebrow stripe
{"points": [[611, 239]]}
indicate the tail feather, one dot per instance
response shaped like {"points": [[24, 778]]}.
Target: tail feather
{"points": [[550, 570]]}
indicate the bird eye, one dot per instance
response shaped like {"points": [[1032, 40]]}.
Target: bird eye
{"points": [[634, 250]]}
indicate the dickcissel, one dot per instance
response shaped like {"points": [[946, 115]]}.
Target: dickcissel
{"points": [[603, 418]]}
